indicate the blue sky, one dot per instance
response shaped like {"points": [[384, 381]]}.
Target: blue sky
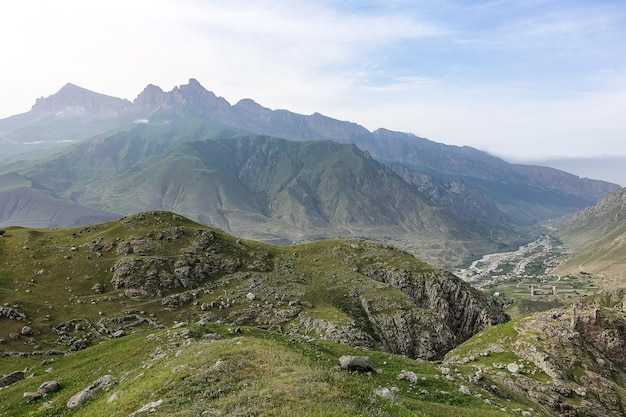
{"points": [[521, 79]]}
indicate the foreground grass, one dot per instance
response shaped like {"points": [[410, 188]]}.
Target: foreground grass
{"points": [[247, 373]]}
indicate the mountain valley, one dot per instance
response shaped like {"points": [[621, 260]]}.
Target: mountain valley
{"points": [[177, 255]]}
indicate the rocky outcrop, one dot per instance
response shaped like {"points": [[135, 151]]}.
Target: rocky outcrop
{"points": [[579, 349], [408, 330], [464, 310], [347, 333], [44, 389], [11, 314], [142, 274]]}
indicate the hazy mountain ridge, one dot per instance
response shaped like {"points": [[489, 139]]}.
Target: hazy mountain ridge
{"points": [[27, 204], [259, 187], [468, 191], [597, 238]]}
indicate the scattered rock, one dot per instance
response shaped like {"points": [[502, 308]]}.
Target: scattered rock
{"points": [[98, 288], [386, 393], [356, 363], [408, 375], [513, 368], [32, 396], [118, 333], [80, 397], [79, 344], [250, 296], [26, 331], [49, 387], [464, 390], [150, 407], [11, 378]]}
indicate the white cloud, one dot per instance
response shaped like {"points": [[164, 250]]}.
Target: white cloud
{"points": [[507, 76]]}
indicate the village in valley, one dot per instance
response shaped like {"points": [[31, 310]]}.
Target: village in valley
{"points": [[528, 274]]}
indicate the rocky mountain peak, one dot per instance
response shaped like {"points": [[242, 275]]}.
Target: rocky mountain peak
{"points": [[192, 96], [74, 101], [152, 97]]}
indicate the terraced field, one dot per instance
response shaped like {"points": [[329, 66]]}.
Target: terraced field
{"points": [[528, 275]]}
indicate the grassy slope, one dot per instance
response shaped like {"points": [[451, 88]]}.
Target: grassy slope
{"points": [[254, 372], [250, 373], [49, 274], [597, 238]]}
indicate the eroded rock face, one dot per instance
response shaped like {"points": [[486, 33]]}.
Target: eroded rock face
{"points": [[409, 330], [580, 348], [464, 310], [141, 273]]}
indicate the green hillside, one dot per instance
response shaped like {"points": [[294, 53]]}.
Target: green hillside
{"points": [[187, 372], [160, 315], [267, 189]]}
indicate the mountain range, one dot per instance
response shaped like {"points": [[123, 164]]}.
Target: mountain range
{"points": [[271, 175]]}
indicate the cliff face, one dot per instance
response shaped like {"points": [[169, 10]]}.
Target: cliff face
{"points": [[464, 310]]}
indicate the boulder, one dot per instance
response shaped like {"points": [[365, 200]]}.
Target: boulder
{"points": [[49, 387], [80, 397], [384, 392], [11, 378], [513, 368], [356, 363], [32, 396]]}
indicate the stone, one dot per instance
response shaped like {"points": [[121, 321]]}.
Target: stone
{"points": [[49, 387], [356, 363], [464, 390], [118, 333], [26, 331], [32, 396], [408, 375], [513, 368], [11, 378], [80, 397], [386, 393], [150, 408]]}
